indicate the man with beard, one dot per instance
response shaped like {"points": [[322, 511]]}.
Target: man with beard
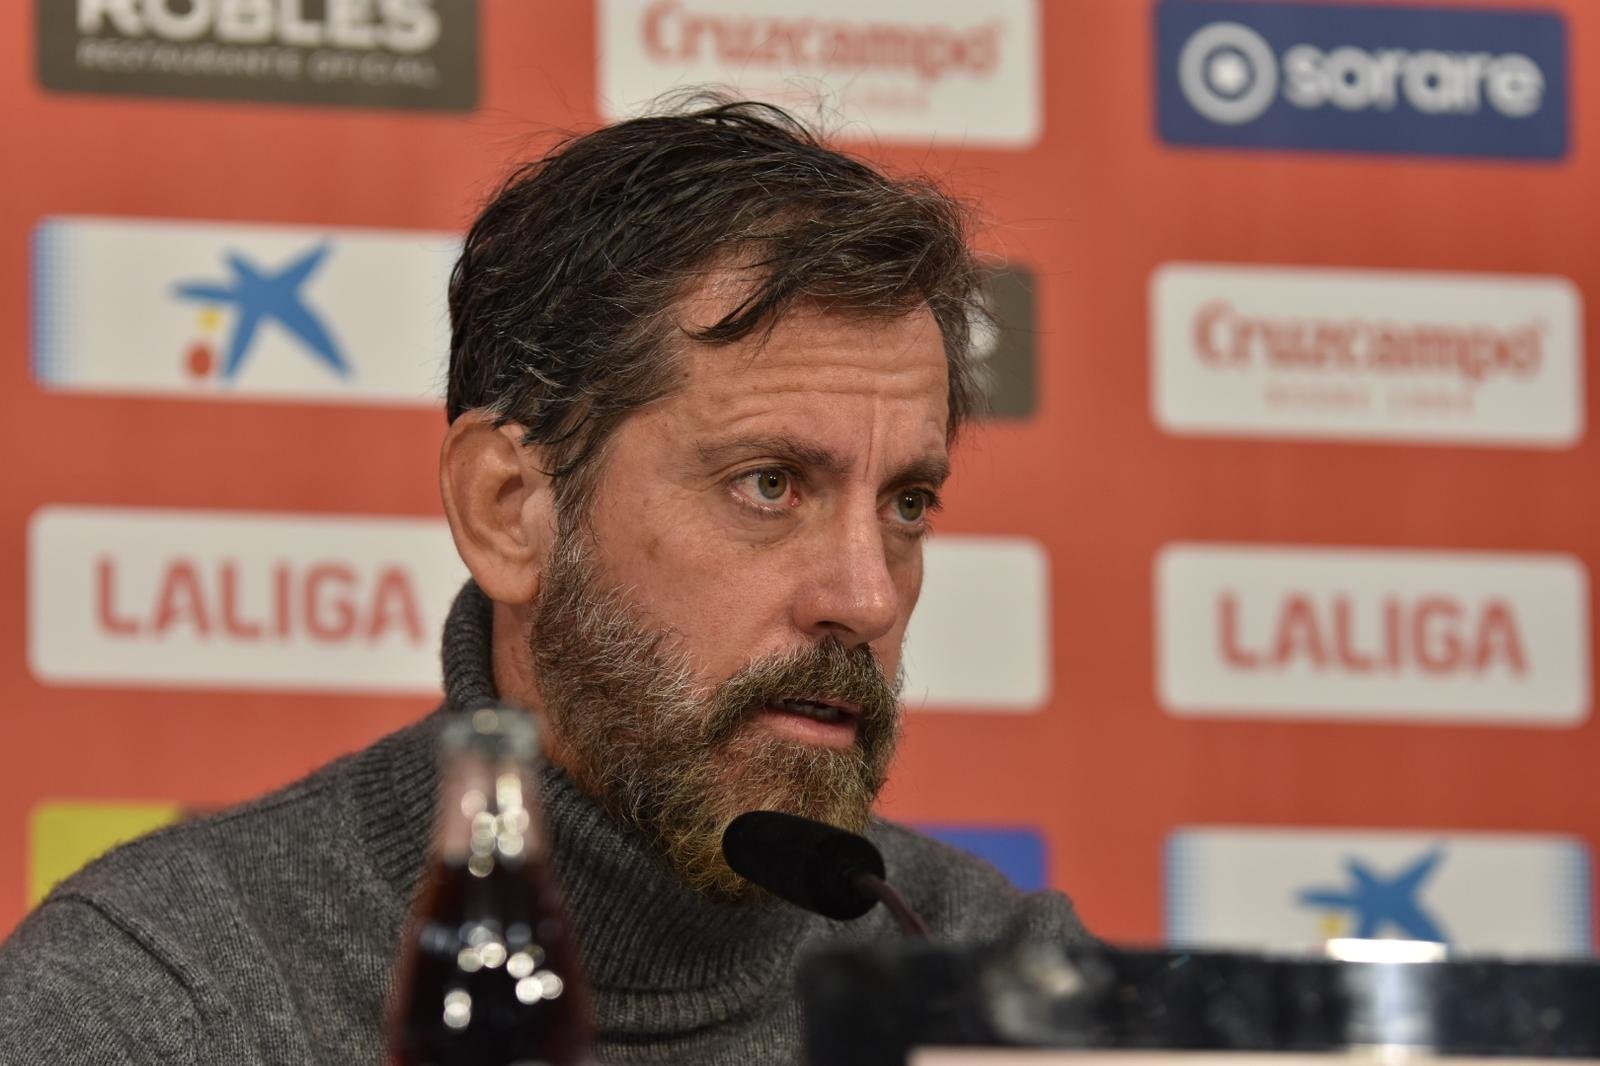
{"points": [[705, 373]]}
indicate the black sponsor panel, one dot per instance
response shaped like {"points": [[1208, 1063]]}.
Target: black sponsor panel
{"points": [[408, 54], [1005, 353]]}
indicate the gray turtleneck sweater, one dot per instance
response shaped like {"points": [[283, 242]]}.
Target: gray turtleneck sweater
{"points": [[266, 934]]}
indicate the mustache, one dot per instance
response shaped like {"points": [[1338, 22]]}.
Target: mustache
{"points": [[825, 671]]}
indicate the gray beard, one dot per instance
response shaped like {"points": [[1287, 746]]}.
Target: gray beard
{"points": [[677, 762]]}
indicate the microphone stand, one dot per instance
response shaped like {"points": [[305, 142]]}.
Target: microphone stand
{"points": [[884, 892]]}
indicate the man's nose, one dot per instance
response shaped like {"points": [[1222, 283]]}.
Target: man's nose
{"points": [[850, 593]]}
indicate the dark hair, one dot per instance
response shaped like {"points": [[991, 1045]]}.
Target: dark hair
{"points": [[560, 305]]}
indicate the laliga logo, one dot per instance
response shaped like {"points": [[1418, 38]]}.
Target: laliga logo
{"points": [[1229, 74]]}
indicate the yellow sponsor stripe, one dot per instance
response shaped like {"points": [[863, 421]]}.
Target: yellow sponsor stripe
{"points": [[64, 836]]}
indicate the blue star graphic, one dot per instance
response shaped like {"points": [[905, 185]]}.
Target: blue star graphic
{"points": [[1378, 902], [259, 295]]}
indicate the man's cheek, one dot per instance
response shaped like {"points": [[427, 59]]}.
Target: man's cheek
{"points": [[888, 652]]}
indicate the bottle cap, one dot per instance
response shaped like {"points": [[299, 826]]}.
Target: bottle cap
{"points": [[498, 729]]}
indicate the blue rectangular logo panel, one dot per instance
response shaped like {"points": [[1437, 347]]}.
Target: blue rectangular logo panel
{"points": [[1018, 853], [1359, 78]]}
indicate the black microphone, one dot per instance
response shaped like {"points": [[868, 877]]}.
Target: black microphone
{"points": [[817, 867]]}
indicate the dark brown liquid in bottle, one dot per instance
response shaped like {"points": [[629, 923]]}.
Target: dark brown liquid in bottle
{"points": [[490, 975]]}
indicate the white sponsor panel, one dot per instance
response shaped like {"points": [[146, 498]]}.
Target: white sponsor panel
{"points": [[248, 312], [1494, 893], [891, 70], [1376, 1055], [132, 596], [127, 596], [1299, 352], [1375, 634], [980, 637]]}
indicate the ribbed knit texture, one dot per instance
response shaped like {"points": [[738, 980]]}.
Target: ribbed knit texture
{"points": [[267, 934]]}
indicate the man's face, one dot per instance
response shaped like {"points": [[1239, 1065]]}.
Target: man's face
{"points": [[724, 631]]}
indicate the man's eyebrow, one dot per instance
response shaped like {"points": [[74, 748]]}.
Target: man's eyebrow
{"points": [[934, 470], [787, 449]]}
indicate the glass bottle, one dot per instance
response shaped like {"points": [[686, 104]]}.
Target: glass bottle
{"points": [[490, 975]]}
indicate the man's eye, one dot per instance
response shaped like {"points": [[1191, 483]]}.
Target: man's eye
{"points": [[770, 485], [911, 506]]}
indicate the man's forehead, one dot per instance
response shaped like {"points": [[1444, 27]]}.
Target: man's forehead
{"points": [[717, 293], [812, 356], [813, 348], [818, 379], [726, 289], [858, 394]]}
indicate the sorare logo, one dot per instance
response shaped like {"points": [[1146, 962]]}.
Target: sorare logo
{"points": [[1275, 889], [1360, 78], [231, 311]]}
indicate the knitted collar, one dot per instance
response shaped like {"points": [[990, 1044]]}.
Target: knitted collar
{"points": [[658, 957]]}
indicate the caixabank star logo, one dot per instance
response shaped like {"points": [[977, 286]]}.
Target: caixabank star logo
{"points": [[236, 311], [260, 296], [1293, 888], [1371, 903]]}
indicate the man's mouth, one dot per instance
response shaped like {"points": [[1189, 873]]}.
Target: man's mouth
{"points": [[820, 710], [828, 723]]}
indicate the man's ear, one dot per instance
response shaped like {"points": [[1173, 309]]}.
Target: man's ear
{"points": [[500, 504]]}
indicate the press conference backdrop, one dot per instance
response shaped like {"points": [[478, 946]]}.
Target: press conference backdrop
{"points": [[1261, 610]]}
